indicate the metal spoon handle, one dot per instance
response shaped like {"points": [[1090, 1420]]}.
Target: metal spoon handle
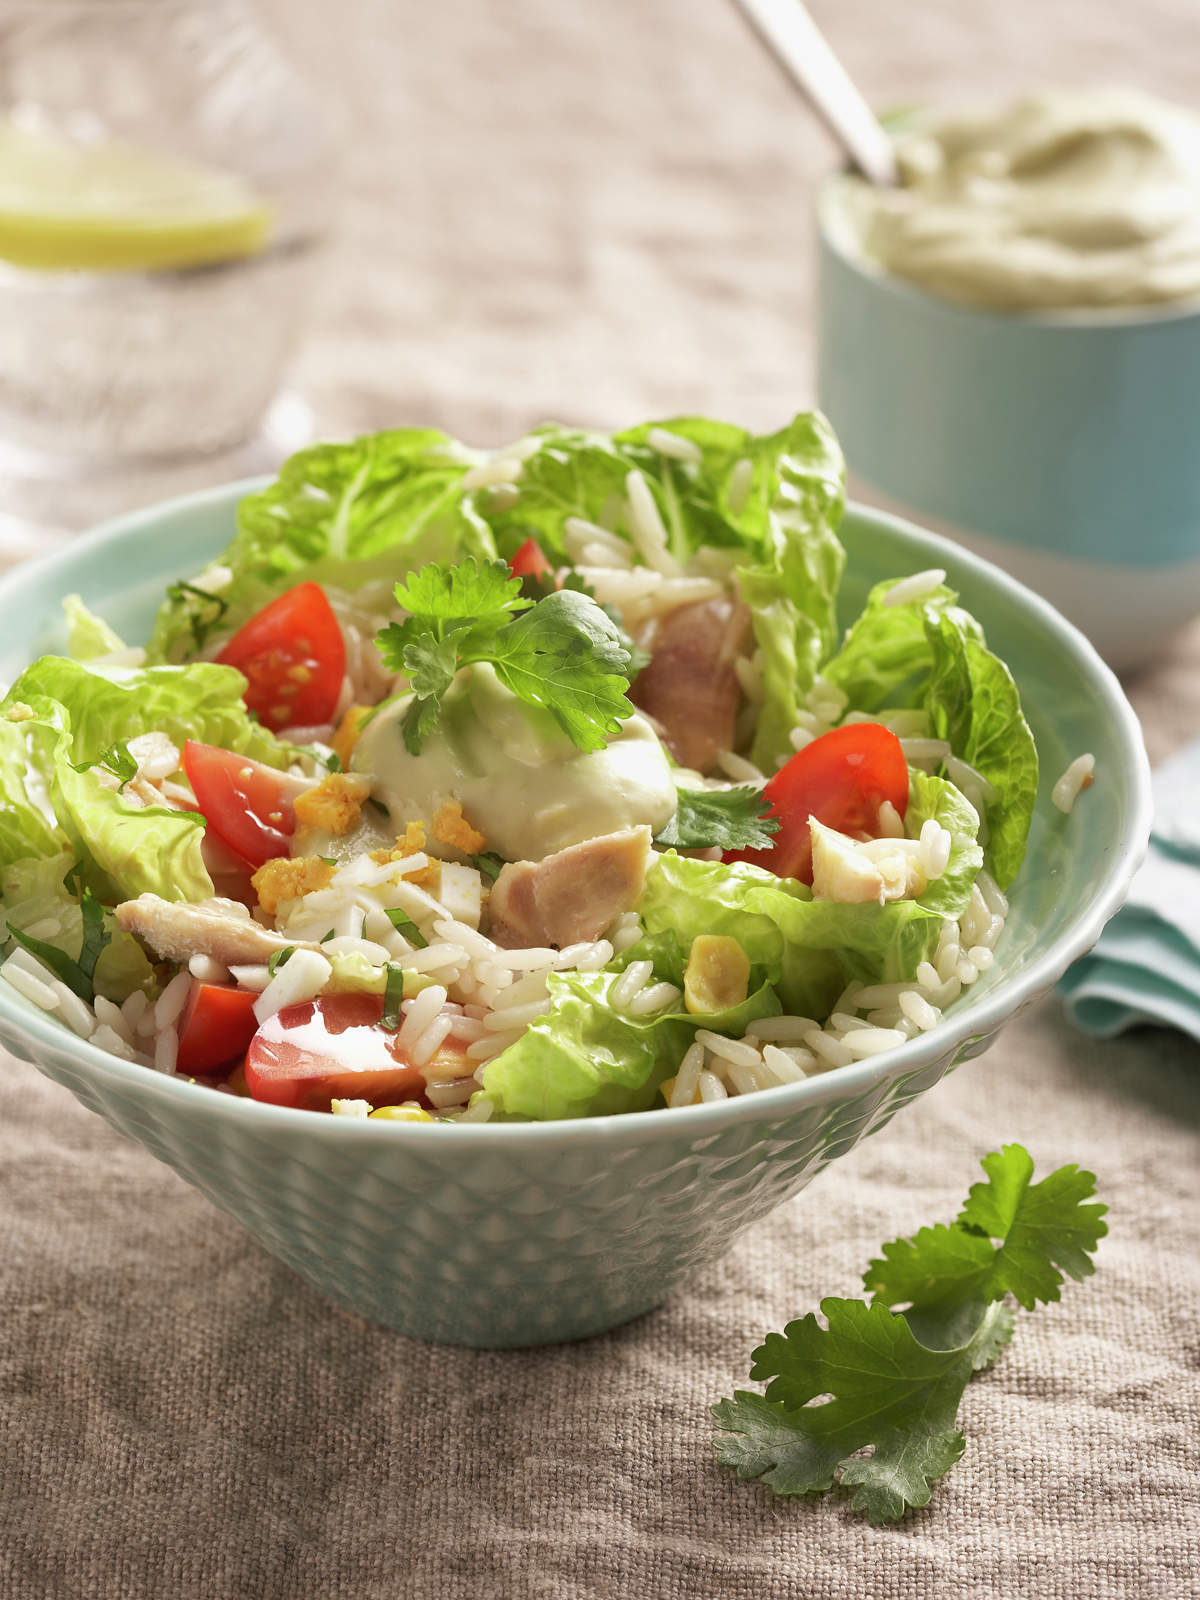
{"points": [[787, 29]]}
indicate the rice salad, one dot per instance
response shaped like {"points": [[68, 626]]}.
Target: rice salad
{"points": [[526, 784]]}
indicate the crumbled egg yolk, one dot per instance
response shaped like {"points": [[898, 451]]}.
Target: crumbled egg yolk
{"points": [[287, 878], [334, 804]]}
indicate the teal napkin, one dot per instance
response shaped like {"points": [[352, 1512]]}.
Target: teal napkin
{"points": [[1146, 964]]}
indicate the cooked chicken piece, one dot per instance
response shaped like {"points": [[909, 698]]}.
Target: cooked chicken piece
{"points": [[876, 870], [219, 928], [690, 686], [571, 895]]}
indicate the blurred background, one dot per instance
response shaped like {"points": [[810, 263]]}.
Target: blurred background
{"points": [[526, 210]]}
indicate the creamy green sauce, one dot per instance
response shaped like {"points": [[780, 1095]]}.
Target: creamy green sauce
{"points": [[517, 776], [1066, 199]]}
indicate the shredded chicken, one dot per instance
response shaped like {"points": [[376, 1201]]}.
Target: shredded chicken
{"points": [[219, 928], [571, 895], [690, 686]]}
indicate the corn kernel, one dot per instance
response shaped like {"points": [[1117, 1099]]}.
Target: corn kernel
{"points": [[717, 975], [408, 1112]]}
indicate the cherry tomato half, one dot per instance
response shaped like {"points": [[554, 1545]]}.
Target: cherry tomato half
{"points": [[294, 658], [842, 779], [334, 1048], [530, 561], [247, 804], [217, 1025]]}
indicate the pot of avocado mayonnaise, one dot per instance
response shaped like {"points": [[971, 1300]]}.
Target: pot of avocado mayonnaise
{"points": [[1009, 346]]}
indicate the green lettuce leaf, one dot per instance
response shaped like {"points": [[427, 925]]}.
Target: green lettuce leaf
{"points": [[930, 655], [586, 1059], [34, 892], [88, 635], [342, 514], [938, 798], [808, 949], [47, 806]]}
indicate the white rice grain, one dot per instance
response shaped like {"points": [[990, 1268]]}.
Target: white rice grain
{"points": [[917, 1009], [630, 983], [106, 1038], [172, 1000], [419, 1013], [889, 821], [674, 445], [782, 1067], [208, 970], [738, 768], [872, 1041], [688, 1076], [428, 1042], [500, 469], [915, 587], [41, 994], [918, 751], [711, 1088], [736, 1050], [646, 526], [658, 997], [516, 1017], [166, 1051], [478, 1111], [301, 977], [1074, 780], [934, 855], [782, 1030]]}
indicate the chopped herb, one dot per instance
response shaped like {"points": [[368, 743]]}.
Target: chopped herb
{"points": [[563, 653], [489, 865], [405, 925], [79, 975], [73, 878], [278, 957], [330, 861], [115, 760], [333, 762], [728, 819], [192, 598], [392, 995], [325, 937], [895, 1378], [379, 806]]}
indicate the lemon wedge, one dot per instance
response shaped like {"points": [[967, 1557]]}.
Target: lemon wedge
{"points": [[111, 207]]}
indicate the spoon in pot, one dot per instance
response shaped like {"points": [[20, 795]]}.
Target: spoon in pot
{"points": [[794, 38]]}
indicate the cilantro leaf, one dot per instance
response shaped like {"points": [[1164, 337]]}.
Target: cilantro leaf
{"points": [[79, 975], [730, 819], [278, 957], [115, 760], [472, 592], [563, 653], [888, 1391], [405, 925], [203, 611], [566, 654], [1042, 1227], [393, 993], [489, 865], [890, 1382]]}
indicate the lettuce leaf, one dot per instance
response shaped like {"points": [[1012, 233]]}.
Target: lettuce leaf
{"points": [[341, 514], [931, 655], [34, 891], [938, 798], [46, 806], [88, 635], [586, 1059]]}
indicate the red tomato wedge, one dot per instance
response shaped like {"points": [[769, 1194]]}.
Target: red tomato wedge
{"points": [[530, 561], [294, 658], [333, 1048], [217, 1025], [842, 779], [248, 805]]}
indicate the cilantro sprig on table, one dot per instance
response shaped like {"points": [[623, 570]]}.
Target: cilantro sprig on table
{"points": [[894, 1379], [562, 653]]}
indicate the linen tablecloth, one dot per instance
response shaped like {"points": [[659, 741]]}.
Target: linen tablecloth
{"points": [[600, 213]]}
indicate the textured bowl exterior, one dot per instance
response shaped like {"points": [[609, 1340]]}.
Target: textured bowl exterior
{"points": [[527, 1234]]}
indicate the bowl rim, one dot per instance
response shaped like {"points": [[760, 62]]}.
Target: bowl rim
{"points": [[1077, 320], [691, 1122]]}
